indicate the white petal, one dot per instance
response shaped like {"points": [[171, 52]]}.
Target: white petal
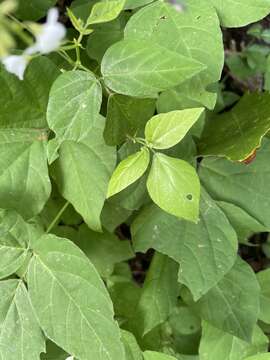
{"points": [[50, 38], [70, 358], [52, 16], [16, 64]]}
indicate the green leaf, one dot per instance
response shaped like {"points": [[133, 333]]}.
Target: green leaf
{"points": [[141, 68], [158, 296], [236, 13], [132, 350], [259, 357], [263, 278], [153, 355], [244, 224], [194, 33], [216, 344], [24, 181], [74, 103], [174, 186], [34, 9], [71, 301], [103, 249], [104, 11], [104, 36], [133, 4], [126, 116], [243, 185], [82, 173], [15, 237], [205, 251], [237, 133], [233, 304], [23, 104], [166, 130], [20, 335], [128, 171]]}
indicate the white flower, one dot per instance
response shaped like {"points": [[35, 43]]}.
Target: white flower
{"points": [[50, 36], [15, 64]]}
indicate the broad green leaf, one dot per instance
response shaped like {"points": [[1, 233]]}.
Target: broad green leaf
{"points": [[104, 11], [205, 251], [20, 335], [216, 344], [104, 36], [126, 116], [132, 350], [153, 355], [141, 68], [103, 249], [194, 33], [246, 186], [128, 171], [24, 181], [23, 104], [259, 357], [82, 173], [264, 281], [233, 304], [71, 301], [133, 4], [34, 9], [82, 8], [236, 13], [243, 224], [74, 103], [15, 236], [159, 294], [166, 130], [174, 186], [237, 133]]}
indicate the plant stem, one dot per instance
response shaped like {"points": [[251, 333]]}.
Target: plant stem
{"points": [[56, 219]]}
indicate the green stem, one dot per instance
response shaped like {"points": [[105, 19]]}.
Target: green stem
{"points": [[56, 219]]}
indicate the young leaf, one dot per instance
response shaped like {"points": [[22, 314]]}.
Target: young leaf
{"points": [[174, 186], [104, 11], [20, 335], [142, 69], [126, 116], [74, 103], [246, 186], [159, 294], [128, 171], [199, 38], [205, 251], [233, 304], [264, 280], [237, 133], [216, 344], [166, 130], [82, 173], [15, 235], [153, 355], [71, 301]]}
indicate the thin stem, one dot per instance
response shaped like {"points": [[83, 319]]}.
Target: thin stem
{"points": [[56, 219]]}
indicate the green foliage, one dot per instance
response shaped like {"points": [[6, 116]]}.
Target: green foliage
{"points": [[134, 180]]}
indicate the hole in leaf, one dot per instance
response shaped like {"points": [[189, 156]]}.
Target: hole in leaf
{"points": [[189, 197]]}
